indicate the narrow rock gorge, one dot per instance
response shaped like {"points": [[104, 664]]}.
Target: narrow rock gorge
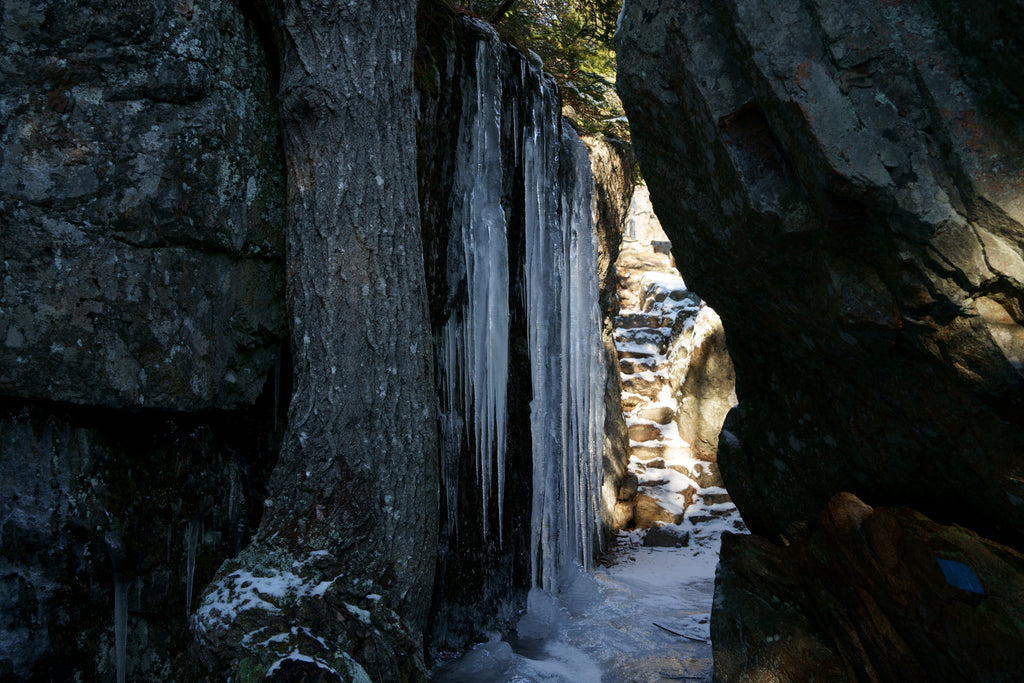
{"points": [[307, 363], [844, 185]]}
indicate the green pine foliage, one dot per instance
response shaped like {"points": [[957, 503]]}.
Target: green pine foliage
{"points": [[575, 40]]}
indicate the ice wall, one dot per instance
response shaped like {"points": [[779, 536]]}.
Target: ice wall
{"points": [[474, 345], [521, 249], [568, 372]]}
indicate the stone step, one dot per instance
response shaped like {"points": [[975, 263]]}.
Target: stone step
{"points": [[709, 515], [645, 386], [635, 354], [644, 260], [630, 403], [660, 414], [715, 498], [642, 335], [706, 474], [632, 321], [658, 293], [654, 341], [644, 432], [663, 452], [647, 511], [629, 366]]}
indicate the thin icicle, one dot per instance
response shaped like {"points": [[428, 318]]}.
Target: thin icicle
{"points": [[120, 626], [115, 548], [192, 535]]}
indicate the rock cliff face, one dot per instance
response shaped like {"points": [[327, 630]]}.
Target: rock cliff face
{"points": [[141, 209], [141, 197], [612, 162], [896, 570], [844, 184]]}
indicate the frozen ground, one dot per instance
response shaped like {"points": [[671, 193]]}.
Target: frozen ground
{"points": [[643, 618]]}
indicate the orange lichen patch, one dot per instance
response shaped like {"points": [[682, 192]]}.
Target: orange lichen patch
{"points": [[58, 101], [803, 72], [976, 133]]}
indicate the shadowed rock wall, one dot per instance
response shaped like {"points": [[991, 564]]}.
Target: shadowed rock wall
{"points": [[141, 201], [141, 318], [845, 186]]}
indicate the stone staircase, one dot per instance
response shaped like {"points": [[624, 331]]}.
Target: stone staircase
{"points": [[669, 480]]}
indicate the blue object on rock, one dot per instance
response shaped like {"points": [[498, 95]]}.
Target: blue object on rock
{"points": [[959, 575]]}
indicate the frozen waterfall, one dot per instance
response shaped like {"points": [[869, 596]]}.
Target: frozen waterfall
{"points": [[560, 289], [567, 410], [474, 345]]}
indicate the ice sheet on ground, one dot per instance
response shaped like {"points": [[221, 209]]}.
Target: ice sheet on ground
{"points": [[643, 619]]}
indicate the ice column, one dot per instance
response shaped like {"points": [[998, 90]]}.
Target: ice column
{"points": [[564, 322], [474, 343], [583, 368], [193, 532]]}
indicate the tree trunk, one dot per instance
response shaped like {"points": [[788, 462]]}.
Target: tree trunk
{"points": [[352, 509]]}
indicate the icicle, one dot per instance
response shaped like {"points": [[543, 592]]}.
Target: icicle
{"points": [[451, 421], [563, 317], [544, 279], [233, 475], [192, 534], [115, 547], [120, 626], [476, 334]]}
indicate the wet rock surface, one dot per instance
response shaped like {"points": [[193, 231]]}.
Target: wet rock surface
{"points": [[869, 594], [842, 184], [94, 503], [141, 198]]}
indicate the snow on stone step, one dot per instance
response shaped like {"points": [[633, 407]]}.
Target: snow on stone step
{"points": [[629, 366], [656, 413], [651, 450]]}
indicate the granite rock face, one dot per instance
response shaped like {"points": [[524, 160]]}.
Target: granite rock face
{"points": [[844, 184], [141, 204], [882, 594], [141, 318]]}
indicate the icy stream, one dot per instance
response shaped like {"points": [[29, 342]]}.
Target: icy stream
{"points": [[642, 619]]}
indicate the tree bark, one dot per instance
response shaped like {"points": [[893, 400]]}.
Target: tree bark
{"points": [[352, 502]]}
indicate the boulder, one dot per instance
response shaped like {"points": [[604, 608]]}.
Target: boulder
{"points": [[628, 487], [706, 382], [666, 536], [841, 183], [623, 514], [869, 594], [648, 511]]}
